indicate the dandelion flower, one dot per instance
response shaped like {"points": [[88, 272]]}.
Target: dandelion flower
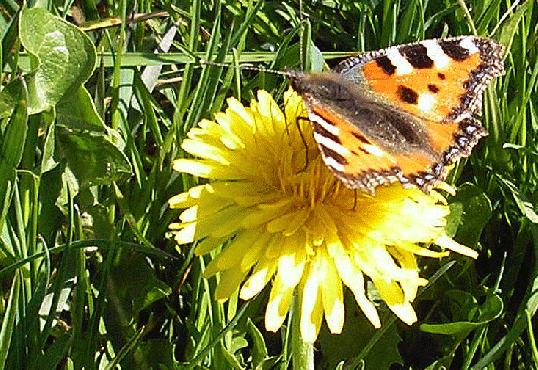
{"points": [[285, 218]]}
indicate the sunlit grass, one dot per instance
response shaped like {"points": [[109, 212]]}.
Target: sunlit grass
{"points": [[91, 278]]}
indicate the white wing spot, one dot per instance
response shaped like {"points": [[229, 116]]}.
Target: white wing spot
{"points": [[332, 145], [374, 150], [334, 164], [326, 125], [403, 67], [436, 53], [468, 43], [426, 102]]}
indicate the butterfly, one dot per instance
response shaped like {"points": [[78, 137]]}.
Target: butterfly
{"points": [[403, 113]]}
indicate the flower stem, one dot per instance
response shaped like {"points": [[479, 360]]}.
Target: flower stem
{"points": [[302, 352]]}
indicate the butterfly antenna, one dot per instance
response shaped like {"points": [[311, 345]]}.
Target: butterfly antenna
{"points": [[245, 67], [302, 62], [197, 60]]}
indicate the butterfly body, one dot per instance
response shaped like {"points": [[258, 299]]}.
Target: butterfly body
{"points": [[402, 113]]}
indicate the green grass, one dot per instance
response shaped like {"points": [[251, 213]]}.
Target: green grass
{"points": [[89, 277]]}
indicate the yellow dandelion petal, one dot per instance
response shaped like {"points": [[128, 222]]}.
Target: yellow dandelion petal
{"points": [[282, 217], [389, 291], [254, 253], [211, 205], [278, 305], [182, 200], [274, 248], [189, 215], [444, 186], [268, 108], [296, 222], [212, 268], [244, 129], [242, 253], [376, 262], [395, 270], [233, 254], [421, 251], [186, 234], [241, 119], [208, 244], [229, 282], [197, 192], [266, 212], [189, 198], [312, 304], [242, 193], [413, 281], [206, 151], [316, 229], [214, 132], [227, 221], [268, 111], [327, 217], [283, 222], [259, 277], [448, 243], [352, 277], [332, 295], [201, 168], [290, 269], [405, 312], [289, 248]]}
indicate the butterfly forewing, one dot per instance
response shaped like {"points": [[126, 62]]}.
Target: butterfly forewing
{"points": [[403, 113]]}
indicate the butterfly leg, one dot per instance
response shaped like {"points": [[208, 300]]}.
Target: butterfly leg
{"points": [[303, 140]]}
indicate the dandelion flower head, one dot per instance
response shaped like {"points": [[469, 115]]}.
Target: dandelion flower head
{"points": [[286, 220]]}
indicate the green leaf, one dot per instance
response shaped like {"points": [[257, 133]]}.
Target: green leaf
{"points": [[81, 138], [8, 320], [470, 211], [92, 158], [64, 58], [469, 313], [12, 144], [77, 111], [259, 349], [9, 97], [229, 359], [524, 204], [137, 282]]}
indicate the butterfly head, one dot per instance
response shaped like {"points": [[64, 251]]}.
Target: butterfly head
{"points": [[327, 88]]}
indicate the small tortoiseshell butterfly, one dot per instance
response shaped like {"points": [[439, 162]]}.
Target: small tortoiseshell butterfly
{"points": [[402, 113]]}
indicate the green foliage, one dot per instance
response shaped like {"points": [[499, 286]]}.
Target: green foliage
{"points": [[89, 276], [61, 59]]}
